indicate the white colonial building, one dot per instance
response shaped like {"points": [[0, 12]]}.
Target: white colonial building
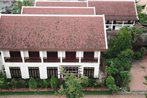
{"points": [[40, 45]]}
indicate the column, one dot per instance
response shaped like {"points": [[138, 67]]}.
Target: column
{"points": [[3, 59], [123, 24], [22, 56], [96, 71], [24, 72], [41, 56], [60, 56], [112, 25], [43, 72], [81, 69], [59, 72], [7, 71]]}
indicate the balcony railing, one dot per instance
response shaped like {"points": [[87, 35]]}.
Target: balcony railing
{"points": [[33, 59], [51, 59], [89, 59], [13, 59], [70, 60]]}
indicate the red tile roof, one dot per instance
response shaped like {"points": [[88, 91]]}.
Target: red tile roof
{"points": [[65, 4], [115, 10], [58, 10], [38, 32]]}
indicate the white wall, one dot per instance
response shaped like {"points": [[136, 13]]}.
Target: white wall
{"points": [[43, 65]]}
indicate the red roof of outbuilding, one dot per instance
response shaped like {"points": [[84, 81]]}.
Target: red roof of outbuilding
{"points": [[59, 10], [62, 4], [50, 32], [115, 10]]}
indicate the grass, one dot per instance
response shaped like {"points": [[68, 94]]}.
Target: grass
{"points": [[52, 93]]}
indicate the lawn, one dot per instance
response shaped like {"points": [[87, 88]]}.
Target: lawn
{"points": [[52, 93]]}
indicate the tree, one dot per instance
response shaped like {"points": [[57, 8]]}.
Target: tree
{"points": [[122, 42], [110, 83], [54, 82], [16, 6], [72, 87]]}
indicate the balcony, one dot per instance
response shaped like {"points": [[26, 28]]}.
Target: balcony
{"points": [[32, 59], [51, 59], [13, 59], [89, 59], [70, 60]]}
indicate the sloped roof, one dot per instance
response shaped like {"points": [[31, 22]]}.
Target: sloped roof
{"points": [[50, 32], [118, 10], [59, 10], [62, 4]]}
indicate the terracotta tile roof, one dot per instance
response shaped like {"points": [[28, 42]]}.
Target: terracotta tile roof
{"points": [[115, 10], [39, 32], [65, 4], [58, 10]]}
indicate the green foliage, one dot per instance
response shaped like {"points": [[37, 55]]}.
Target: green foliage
{"points": [[54, 82], [16, 7], [126, 54], [139, 8], [32, 83], [125, 78], [110, 83], [2, 79], [142, 18], [143, 50], [20, 83], [73, 86], [43, 83], [122, 42], [13, 83], [138, 55]]}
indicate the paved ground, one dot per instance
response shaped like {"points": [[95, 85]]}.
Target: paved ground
{"points": [[99, 96], [138, 71]]}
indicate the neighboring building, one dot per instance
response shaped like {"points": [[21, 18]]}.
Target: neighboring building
{"points": [[38, 46], [118, 13], [59, 10]]}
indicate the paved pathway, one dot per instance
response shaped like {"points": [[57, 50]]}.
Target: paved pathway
{"points": [[98, 96], [138, 71]]}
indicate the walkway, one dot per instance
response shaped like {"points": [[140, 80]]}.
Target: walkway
{"points": [[99, 96], [138, 71]]}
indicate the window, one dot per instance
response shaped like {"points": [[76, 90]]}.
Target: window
{"points": [[114, 22], [89, 72], [52, 71], [71, 69], [15, 72], [15, 54], [107, 22], [33, 54], [34, 72], [71, 55], [52, 54], [88, 54]]}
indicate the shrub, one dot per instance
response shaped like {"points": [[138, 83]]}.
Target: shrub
{"points": [[91, 82], [54, 82], [32, 83], [13, 83], [2, 79], [43, 83], [21, 83], [110, 83], [126, 54], [137, 55], [98, 83], [143, 50]]}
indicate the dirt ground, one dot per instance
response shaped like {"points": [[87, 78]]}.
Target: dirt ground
{"points": [[138, 71]]}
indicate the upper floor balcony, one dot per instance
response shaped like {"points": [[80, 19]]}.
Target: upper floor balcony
{"points": [[50, 57]]}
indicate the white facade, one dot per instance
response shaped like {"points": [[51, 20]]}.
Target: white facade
{"points": [[43, 65]]}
